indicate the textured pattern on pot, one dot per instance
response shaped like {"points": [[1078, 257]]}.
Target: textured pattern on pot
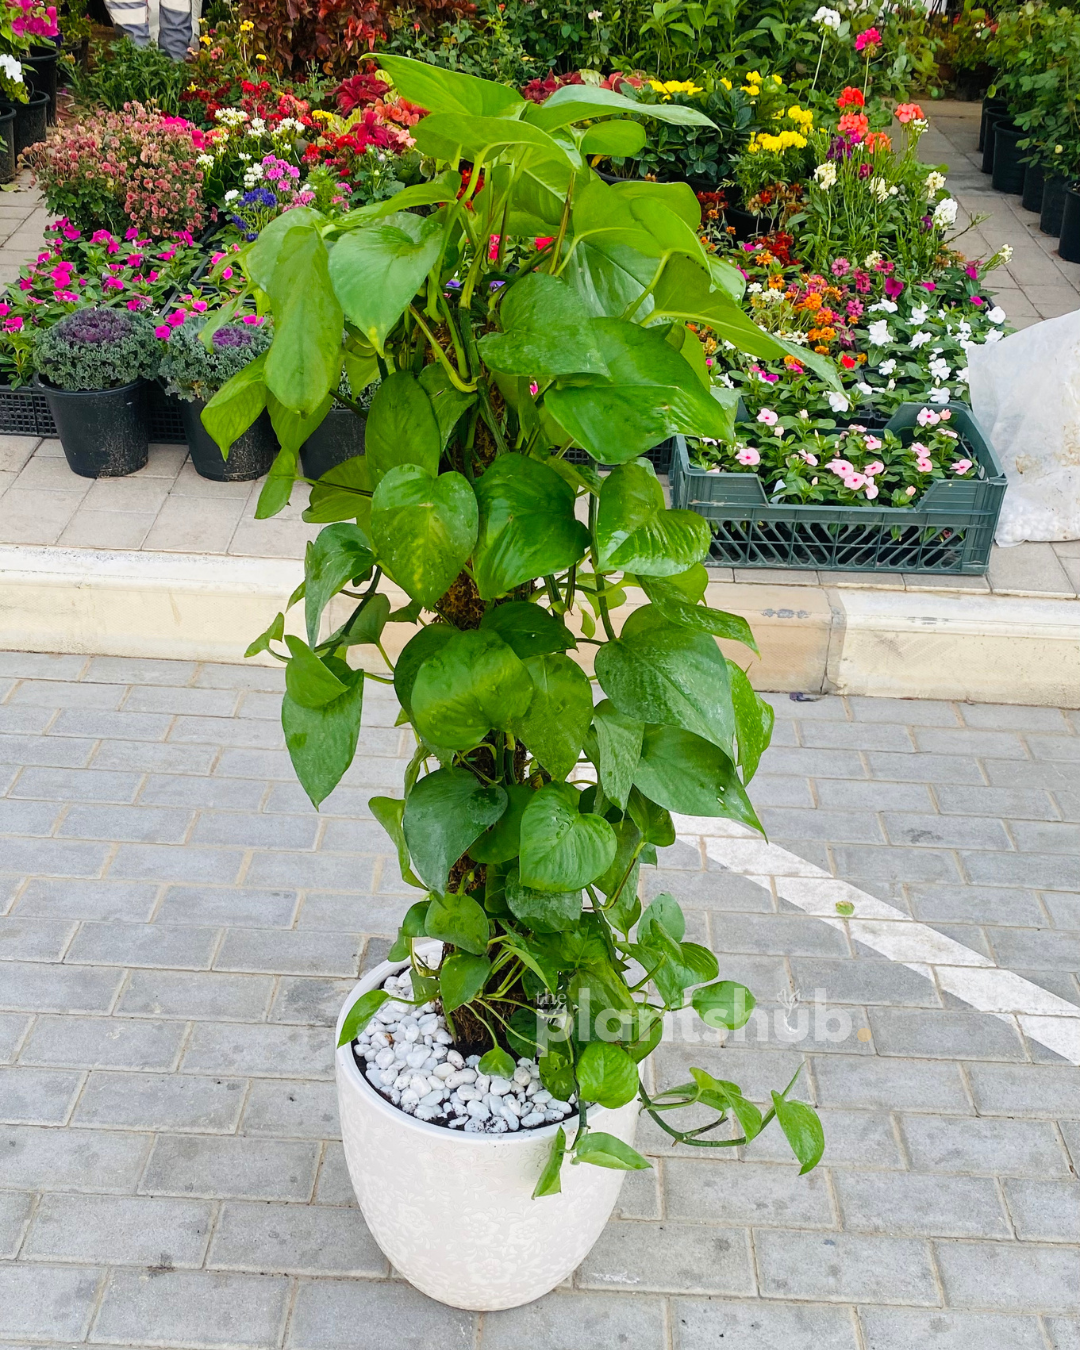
{"points": [[453, 1211]]}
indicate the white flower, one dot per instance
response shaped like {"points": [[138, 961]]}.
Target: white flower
{"points": [[996, 315], [887, 367], [826, 174], [827, 18], [919, 339], [963, 330], [596, 15], [939, 368], [962, 374], [879, 188], [939, 396], [232, 195], [918, 315], [838, 402], [754, 288], [1005, 252], [879, 333], [864, 388], [994, 335], [891, 384], [883, 307], [945, 212], [11, 68], [934, 182], [205, 161], [872, 259]]}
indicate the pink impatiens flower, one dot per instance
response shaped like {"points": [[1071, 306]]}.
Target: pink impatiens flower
{"points": [[767, 416], [162, 331], [961, 466], [748, 455]]}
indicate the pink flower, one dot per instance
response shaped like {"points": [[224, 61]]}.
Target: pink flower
{"points": [[871, 443], [176, 318], [840, 267], [871, 38], [253, 320], [199, 306], [767, 416], [910, 491], [112, 284], [807, 457], [493, 247], [216, 258], [748, 455], [961, 466], [840, 467], [131, 234], [534, 388], [872, 470], [871, 491], [927, 417], [928, 285], [13, 323], [923, 465], [67, 296], [893, 288], [854, 481], [162, 331], [101, 237], [945, 415], [972, 271], [4, 309], [227, 274], [977, 300]]}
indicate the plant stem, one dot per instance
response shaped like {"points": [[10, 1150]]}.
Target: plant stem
{"points": [[601, 585], [455, 378]]}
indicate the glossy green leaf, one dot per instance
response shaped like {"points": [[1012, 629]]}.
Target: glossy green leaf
{"points": [[444, 813], [562, 849], [461, 977], [607, 1075], [527, 628], [339, 554], [678, 198], [292, 428], [277, 486], [545, 332], [602, 219], [527, 525], [309, 680], [622, 137], [658, 672], [651, 394], [473, 684], [389, 812], [802, 1129], [724, 1004], [275, 633], [638, 533], [423, 528], [728, 1097], [360, 1014], [459, 920], [497, 1063], [413, 655], [322, 741], [401, 427], [652, 820], [304, 363], [669, 601], [687, 774], [376, 270], [664, 912], [502, 841], [342, 493], [574, 103], [365, 627], [413, 925], [754, 720], [559, 713], [550, 1182], [236, 405], [448, 402], [542, 911], [448, 91], [447, 136], [619, 740], [604, 1150]]}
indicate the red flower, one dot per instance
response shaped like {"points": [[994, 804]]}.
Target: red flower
{"points": [[848, 362], [851, 98]]}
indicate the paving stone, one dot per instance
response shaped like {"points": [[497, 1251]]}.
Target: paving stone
{"points": [[193, 759], [1055, 747], [199, 995], [211, 675], [54, 857], [47, 1302], [845, 1267], [1014, 1277], [355, 1314], [855, 862], [41, 666], [293, 1109], [255, 831], [923, 768], [816, 763], [945, 831], [323, 872], [1064, 1333], [904, 1328], [910, 1205], [1044, 1211], [38, 987], [310, 1002], [139, 670], [669, 1258], [1044, 871], [875, 1083], [70, 1160], [840, 793], [937, 1034], [289, 953], [170, 699], [13, 1029], [18, 817], [120, 1230], [151, 1101], [49, 752], [339, 912], [274, 1051], [234, 906], [65, 694], [1045, 836], [1002, 1147], [1039, 950], [192, 1308], [127, 824], [842, 827], [122, 727], [754, 1193], [780, 934], [698, 1323], [101, 900], [27, 939], [228, 1167], [129, 944], [863, 982], [227, 731], [1025, 1090], [1013, 717], [14, 1212], [975, 904], [235, 794], [640, 1196], [72, 785], [858, 736], [296, 1240], [37, 1096], [333, 1186], [103, 1043], [158, 862]]}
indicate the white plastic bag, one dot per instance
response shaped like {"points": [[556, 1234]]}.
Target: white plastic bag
{"points": [[1025, 391]]}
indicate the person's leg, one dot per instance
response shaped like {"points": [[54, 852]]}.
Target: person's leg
{"points": [[175, 34], [132, 17]]}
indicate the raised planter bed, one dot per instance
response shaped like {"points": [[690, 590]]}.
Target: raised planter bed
{"points": [[950, 531]]}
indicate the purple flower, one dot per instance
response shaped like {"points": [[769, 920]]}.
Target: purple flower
{"points": [[231, 335], [96, 327]]}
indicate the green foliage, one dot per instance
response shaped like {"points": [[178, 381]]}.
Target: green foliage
{"points": [[121, 72], [98, 349], [511, 557]]}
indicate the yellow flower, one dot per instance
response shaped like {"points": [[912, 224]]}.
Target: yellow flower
{"points": [[753, 77], [205, 40], [247, 26], [778, 79], [725, 83], [260, 57], [192, 87]]}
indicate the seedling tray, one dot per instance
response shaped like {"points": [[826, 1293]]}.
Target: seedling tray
{"points": [[950, 530]]}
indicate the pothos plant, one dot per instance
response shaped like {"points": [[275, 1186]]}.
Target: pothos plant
{"points": [[516, 309]]}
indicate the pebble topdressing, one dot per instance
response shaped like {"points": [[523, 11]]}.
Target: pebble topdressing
{"points": [[407, 1054]]}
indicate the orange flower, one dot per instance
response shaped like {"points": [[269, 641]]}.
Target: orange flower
{"points": [[827, 334], [851, 97], [812, 301], [855, 124], [776, 283], [909, 112], [878, 140], [861, 358], [822, 351]]}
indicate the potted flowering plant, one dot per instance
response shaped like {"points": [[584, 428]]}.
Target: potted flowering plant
{"points": [[533, 978], [93, 366], [200, 358], [27, 69]]}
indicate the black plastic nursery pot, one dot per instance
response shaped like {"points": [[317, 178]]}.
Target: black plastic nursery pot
{"points": [[1053, 204], [7, 142], [251, 454], [1069, 243], [104, 432], [40, 68], [339, 437], [991, 120], [1009, 162], [1033, 188], [988, 105], [30, 121]]}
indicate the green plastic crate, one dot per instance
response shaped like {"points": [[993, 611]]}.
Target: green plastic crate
{"points": [[950, 531]]}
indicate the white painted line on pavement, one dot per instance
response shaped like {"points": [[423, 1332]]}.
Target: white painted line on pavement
{"points": [[968, 975]]}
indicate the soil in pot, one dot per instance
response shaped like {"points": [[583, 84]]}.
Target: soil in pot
{"points": [[30, 121], [1069, 243], [408, 1056], [339, 437], [991, 119], [1009, 166], [1053, 204], [7, 142], [250, 456], [103, 431], [1033, 188]]}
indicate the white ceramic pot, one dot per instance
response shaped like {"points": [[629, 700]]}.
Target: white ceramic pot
{"points": [[454, 1212]]}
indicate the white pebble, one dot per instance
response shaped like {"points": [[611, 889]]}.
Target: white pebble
{"points": [[419, 1085], [402, 1081], [426, 1112], [380, 1038], [410, 1033], [483, 1081], [533, 1118], [444, 1071], [384, 1058], [388, 1076], [432, 1099], [410, 1098], [556, 1105], [478, 1111], [429, 1063], [540, 1097], [415, 1059], [473, 1061], [444, 1038], [436, 1084], [467, 1094], [522, 1076], [511, 1107], [374, 1073], [499, 1086], [452, 1057], [511, 1120], [428, 1024]]}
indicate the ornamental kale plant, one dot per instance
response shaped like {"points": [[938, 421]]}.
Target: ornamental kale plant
{"points": [[529, 806], [196, 366], [97, 348]]}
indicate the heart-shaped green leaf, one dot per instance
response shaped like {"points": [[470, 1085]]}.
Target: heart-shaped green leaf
{"points": [[542, 911], [724, 1004], [544, 332], [461, 977], [528, 629], [308, 680], [619, 741], [322, 741], [503, 841], [558, 716], [444, 813], [472, 684], [561, 848], [607, 1075], [401, 427], [636, 531], [423, 529], [376, 270], [340, 554], [687, 774], [459, 920]]}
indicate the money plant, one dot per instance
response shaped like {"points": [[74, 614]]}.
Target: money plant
{"points": [[564, 682]]}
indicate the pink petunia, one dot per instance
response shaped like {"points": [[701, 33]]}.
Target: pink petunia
{"points": [[162, 331]]}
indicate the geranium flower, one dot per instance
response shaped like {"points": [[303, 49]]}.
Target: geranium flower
{"points": [[851, 98], [909, 112], [870, 38], [848, 362]]}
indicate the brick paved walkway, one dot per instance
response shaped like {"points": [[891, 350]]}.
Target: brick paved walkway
{"points": [[179, 930]]}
